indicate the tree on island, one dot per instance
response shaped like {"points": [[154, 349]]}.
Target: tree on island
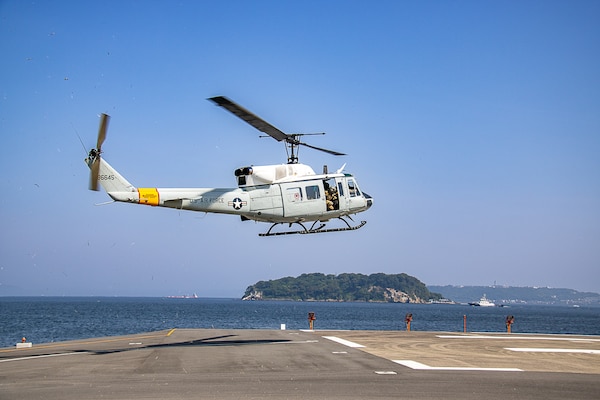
{"points": [[379, 287]]}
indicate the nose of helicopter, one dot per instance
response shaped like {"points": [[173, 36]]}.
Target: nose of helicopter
{"points": [[369, 200]]}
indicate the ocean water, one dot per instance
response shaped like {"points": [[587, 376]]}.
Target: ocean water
{"points": [[52, 319]]}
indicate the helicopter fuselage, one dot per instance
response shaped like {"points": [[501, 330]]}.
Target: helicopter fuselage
{"points": [[288, 199]]}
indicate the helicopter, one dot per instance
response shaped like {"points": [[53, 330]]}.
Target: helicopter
{"points": [[287, 194]]}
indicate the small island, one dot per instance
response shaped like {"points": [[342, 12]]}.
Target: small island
{"points": [[379, 287]]}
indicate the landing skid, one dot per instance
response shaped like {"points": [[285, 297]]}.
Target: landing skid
{"points": [[313, 229]]}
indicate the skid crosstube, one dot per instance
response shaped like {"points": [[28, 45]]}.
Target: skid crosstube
{"points": [[319, 229]]}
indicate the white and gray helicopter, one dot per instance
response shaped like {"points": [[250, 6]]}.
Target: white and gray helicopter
{"points": [[289, 193]]}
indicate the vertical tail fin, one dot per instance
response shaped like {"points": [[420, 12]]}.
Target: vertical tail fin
{"points": [[113, 182]]}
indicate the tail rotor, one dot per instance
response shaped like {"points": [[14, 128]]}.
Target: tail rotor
{"points": [[94, 155]]}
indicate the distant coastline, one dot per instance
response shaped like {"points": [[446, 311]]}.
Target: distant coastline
{"points": [[507, 295]]}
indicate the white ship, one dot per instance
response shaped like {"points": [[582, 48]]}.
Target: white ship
{"points": [[185, 296], [483, 302]]}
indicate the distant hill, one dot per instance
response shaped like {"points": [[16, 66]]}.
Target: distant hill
{"points": [[400, 288], [516, 295]]}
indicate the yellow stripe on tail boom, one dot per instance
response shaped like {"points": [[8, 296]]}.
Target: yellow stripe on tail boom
{"points": [[149, 196]]}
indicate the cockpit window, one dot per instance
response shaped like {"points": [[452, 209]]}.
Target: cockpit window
{"points": [[352, 188]]}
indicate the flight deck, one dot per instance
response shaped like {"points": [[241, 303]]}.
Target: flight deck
{"points": [[291, 364]]}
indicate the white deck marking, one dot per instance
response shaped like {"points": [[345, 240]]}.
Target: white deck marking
{"points": [[343, 341], [293, 342], [517, 338], [386, 372], [538, 350], [43, 356], [417, 365]]}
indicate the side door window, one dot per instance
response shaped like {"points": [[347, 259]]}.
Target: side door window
{"points": [[293, 194], [312, 192]]}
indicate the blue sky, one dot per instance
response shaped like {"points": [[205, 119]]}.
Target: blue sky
{"points": [[474, 125]]}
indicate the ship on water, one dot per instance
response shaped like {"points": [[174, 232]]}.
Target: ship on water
{"points": [[483, 302], [185, 296]]}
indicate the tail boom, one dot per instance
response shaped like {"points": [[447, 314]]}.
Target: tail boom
{"points": [[224, 201]]}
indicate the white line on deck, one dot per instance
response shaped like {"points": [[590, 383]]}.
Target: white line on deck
{"points": [[343, 341], [538, 350], [43, 356], [517, 338], [293, 342], [417, 365]]}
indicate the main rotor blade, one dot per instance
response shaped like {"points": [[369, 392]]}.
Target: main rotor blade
{"points": [[104, 118], [335, 153], [250, 118]]}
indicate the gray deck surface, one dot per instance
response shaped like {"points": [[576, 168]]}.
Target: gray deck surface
{"points": [[286, 364]]}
